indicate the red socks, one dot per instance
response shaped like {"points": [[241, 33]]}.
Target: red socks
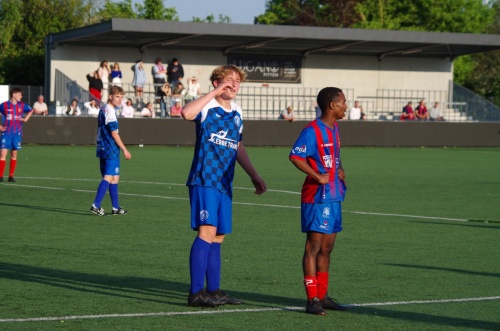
{"points": [[12, 168], [311, 285], [322, 278], [2, 167], [316, 286]]}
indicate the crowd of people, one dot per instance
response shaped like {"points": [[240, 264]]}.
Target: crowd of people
{"points": [[421, 113]]}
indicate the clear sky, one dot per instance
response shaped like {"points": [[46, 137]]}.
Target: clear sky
{"points": [[240, 11]]}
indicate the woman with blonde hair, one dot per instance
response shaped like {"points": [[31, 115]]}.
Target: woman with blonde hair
{"points": [[116, 75]]}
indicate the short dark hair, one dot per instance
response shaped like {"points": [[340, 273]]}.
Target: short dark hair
{"points": [[15, 90], [327, 95]]}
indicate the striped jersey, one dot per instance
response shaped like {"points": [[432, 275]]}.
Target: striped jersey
{"points": [[12, 114], [106, 147], [319, 146], [218, 133]]}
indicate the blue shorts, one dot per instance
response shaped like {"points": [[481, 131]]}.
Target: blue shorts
{"points": [[110, 167], [11, 141], [323, 217], [211, 207]]}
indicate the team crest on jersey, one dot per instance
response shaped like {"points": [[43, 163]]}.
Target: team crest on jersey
{"points": [[203, 215], [328, 161], [237, 121], [326, 212]]}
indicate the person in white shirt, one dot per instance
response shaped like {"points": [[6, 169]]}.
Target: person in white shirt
{"points": [[148, 111], [193, 89], [40, 107], [356, 112], [127, 110], [435, 113], [91, 107]]}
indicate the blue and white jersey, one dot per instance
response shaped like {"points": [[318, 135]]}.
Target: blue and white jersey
{"points": [[107, 123], [218, 133]]}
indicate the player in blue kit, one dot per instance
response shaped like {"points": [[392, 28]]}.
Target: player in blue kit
{"points": [[219, 145], [108, 146], [14, 114], [317, 153]]}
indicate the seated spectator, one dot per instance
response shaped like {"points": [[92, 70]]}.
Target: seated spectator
{"points": [[408, 114], [116, 75], [356, 112], [73, 108], [435, 113], [179, 91], [40, 107], [287, 114], [127, 109], [176, 109], [193, 89], [91, 107], [421, 111], [148, 111]]}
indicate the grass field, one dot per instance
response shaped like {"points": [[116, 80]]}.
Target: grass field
{"points": [[420, 248]]}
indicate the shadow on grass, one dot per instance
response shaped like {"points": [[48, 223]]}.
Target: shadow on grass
{"points": [[47, 208], [461, 271], [426, 319]]}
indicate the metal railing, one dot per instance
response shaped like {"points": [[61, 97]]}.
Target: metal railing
{"points": [[478, 108]]}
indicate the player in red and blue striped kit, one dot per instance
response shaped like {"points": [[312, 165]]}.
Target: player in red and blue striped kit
{"points": [[219, 128], [14, 113], [317, 153]]}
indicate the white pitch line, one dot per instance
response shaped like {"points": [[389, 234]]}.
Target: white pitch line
{"points": [[234, 202], [249, 310]]}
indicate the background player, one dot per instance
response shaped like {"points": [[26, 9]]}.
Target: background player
{"points": [[317, 153], [12, 130], [219, 128], [108, 146]]}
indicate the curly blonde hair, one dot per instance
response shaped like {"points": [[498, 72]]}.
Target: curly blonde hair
{"points": [[222, 71]]}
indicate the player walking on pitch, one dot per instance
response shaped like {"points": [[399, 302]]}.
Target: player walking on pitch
{"points": [[317, 153], [12, 130], [219, 128], [108, 148]]}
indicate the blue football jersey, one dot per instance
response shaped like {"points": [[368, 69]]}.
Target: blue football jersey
{"points": [[319, 146], [218, 133], [107, 123]]}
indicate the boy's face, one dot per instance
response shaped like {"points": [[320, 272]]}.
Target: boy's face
{"points": [[339, 106], [233, 80], [116, 99], [17, 96]]}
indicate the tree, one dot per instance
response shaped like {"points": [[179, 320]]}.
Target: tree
{"points": [[211, 19], [113, 9], [155, 10]]}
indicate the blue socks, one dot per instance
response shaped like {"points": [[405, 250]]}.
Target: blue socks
{"points": [[101, 192], [198, 259], [113, 194], [213, 267]]}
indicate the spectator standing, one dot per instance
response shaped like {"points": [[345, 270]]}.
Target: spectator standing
{"points": [[95, 86], [16, 113], [317, 154], [175, 72], [116, 75], [108, 148], [73, 108], [40, 107], [435, 113], [127, 109], [421, 111], [167, 100], [159, 73], [287, 114], [193, 90], [356, 112], [91, 107], [139, 80], [104, 73], [407, 114], [219, 128]]}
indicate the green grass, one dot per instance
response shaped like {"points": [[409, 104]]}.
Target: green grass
{"points": [[419, 225]]}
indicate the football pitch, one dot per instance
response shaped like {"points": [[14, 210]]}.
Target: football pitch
{"points": [[420, 249]]}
